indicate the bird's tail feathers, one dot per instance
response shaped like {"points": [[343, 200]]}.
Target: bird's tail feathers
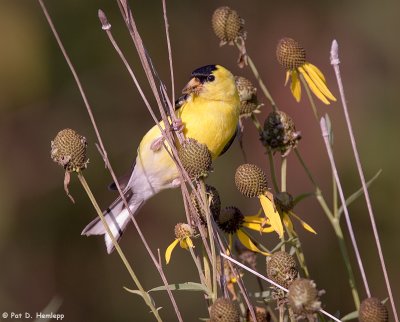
{"points": [[117, 217]]}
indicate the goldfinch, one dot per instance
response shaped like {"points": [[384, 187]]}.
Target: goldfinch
{"points": [[209, 111]]}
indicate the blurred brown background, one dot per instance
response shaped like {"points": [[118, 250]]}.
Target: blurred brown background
{"points": [[42, 252]]}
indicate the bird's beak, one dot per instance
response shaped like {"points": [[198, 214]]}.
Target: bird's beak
{"points": [[193, 86]]}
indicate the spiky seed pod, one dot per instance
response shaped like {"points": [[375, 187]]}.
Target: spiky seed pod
{"points": [[290, 53], [284, 201], [261, 315], [68, 149], [214, 202], [227, 25], [230, 219], [250, 180], [183, 230], [282, 268], [280, 132], [224, 310], [195, 158], [372, 310], [303, 298], [247, 95], [245, 88]]}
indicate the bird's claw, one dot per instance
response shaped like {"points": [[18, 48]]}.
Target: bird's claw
{"points": [[157, 144]]}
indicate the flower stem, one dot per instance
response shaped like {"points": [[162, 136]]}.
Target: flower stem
{"points": [[261, 83], [310, 97], [144, 294], [299, 252], [212, 243], [272, 170], [283, 174]]}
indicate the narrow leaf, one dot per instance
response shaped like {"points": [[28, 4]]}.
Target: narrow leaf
{"points": [[359, 192], [350, 316], [187, 286]]}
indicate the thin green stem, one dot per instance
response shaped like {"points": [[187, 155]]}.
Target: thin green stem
{"points": [[283, 174], [310, 97], [343, 249], [269, 152], [335, 197], [260, 82], [299, 253], [198, 266], [272, 170], [257, 124], [212, 243], [121, 254]]}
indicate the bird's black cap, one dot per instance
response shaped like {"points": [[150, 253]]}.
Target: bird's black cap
{"points": [[204, 71]]}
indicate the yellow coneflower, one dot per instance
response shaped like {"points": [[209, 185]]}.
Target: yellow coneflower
{"points": [[285, 204], [231, 220], [183, 232], [292, 56]]}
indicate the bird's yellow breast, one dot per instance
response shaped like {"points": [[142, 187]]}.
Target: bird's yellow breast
{"points": [[211, 122]]}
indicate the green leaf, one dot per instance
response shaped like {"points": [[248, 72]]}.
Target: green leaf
{"points": [[299, 198], [187, 286], [140, 293], [350, 316], [359, 192]]}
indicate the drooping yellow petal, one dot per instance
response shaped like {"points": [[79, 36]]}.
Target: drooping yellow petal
{"points": [[169, 250], [303, 223], [273, 215], [295, 86], [288, 223], [287, 76], [246, 241], [258, 227], [321, 84], [230, 239], [255, 219], [189, 242], [317, 70], [313, 87], [186, 243]]}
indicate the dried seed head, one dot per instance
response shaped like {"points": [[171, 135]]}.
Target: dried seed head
{"points": [[303, 298], [247, 95], [68, 149], [227, 25], [284, 201], [245, 88], [282, 268], [290, 53], [230, 219], [250, 180], [224, 310], [280, 132], [195, 158], [183, 230], [214, 202], [372, 310], [261, 315]]}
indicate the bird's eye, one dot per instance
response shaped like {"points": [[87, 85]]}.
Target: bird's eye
{"points": [[210, 78]]}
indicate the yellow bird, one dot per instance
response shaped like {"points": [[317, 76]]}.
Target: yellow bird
{"points": [[209, 111]]}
